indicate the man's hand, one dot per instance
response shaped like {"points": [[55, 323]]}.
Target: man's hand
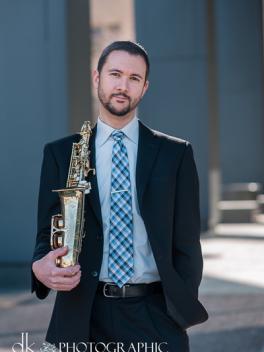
{"points": [[60, 279]]}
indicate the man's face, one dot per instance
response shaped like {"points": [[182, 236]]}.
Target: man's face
{"points": [[121, 83]]}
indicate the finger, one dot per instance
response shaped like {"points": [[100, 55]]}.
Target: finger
{"points": [[65, 280], [61, 287], [58, 252], [72, 270], [69, 271]]}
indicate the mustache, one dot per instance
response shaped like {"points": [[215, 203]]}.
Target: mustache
{"points": [[120, 95]]}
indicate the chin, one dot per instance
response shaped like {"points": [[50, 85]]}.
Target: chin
{"points": [[120, 114]]}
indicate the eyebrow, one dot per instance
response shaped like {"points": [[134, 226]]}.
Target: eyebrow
{"points": [[133, 74]]}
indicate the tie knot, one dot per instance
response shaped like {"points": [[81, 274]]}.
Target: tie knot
{"points": [[118, 135]]}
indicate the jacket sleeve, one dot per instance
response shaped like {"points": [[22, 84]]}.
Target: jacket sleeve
{"points": [[187, 256], [48, 205]]}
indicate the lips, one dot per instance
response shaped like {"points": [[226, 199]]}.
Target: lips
{"points": [[120, 98]]}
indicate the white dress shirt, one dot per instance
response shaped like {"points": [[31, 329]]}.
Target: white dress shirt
{"points": [[145, 269]]}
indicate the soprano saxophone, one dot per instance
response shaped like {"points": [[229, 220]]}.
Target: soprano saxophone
{"points": [[67, 229]]}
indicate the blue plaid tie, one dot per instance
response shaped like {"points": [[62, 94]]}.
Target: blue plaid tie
{"points": [[120, 261]]}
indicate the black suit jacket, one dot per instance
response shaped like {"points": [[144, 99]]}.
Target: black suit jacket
{"points": [[168, 197]]}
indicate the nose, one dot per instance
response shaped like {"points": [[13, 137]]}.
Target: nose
{"points": [[122, 84]]}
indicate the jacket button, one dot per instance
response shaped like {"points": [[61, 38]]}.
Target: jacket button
{"points": [[94, 273]]}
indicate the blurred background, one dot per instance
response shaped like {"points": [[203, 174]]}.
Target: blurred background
{"points": [[206, 86]]}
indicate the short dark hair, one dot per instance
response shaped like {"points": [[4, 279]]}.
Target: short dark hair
{"points": [[129, 47]]}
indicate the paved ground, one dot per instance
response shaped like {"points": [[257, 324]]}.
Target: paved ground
{"points": [[232, 290]]}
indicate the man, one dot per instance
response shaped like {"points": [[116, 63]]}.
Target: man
{"points": [[141, 264]]}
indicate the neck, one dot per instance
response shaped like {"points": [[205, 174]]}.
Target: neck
{"points": [[116, 122]]}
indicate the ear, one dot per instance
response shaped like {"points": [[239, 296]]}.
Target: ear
{"points": [[145, 88], [95, 77]]}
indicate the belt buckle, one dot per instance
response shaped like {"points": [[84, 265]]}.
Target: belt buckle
{"points": [[105, 288], [123, 295]]}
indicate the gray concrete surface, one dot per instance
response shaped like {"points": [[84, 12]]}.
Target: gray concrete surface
{"points": [[232, 290]]}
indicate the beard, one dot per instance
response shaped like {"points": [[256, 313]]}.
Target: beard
{"points": [[106, 102]]}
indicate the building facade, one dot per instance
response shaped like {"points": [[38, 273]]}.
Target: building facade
{"points": [[206, 80]]}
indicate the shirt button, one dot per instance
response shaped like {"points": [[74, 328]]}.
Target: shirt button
{"points": [[94, 273]]}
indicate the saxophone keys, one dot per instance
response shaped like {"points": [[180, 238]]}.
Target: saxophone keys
{"points": [[60, 224]]}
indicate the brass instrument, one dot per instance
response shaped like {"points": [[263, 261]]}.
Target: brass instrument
{"points": [[67, 229]]}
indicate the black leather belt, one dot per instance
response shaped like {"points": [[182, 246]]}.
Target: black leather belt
{"points": [[129, 290]]}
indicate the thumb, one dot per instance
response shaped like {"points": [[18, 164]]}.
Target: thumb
{"points": [[59, 252]]}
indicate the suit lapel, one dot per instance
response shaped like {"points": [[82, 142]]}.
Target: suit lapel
{"points": [[93, 196], [148, 146]]}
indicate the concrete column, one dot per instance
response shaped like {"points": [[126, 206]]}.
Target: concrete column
{"points": [[79, 62], [213, 121], [174, 33]]}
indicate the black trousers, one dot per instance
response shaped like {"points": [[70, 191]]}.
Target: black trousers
{"points": [[138, 324]]}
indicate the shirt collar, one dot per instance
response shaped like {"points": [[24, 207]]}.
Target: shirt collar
{"points": [[104, 131]]}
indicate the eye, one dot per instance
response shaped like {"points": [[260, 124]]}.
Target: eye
{"points": [[134, 78], [115, 74]]}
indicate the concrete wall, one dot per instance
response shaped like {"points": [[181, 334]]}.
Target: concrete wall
{"points": [[240, 76], [34, 104], [33, 110], [174, 34]]}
